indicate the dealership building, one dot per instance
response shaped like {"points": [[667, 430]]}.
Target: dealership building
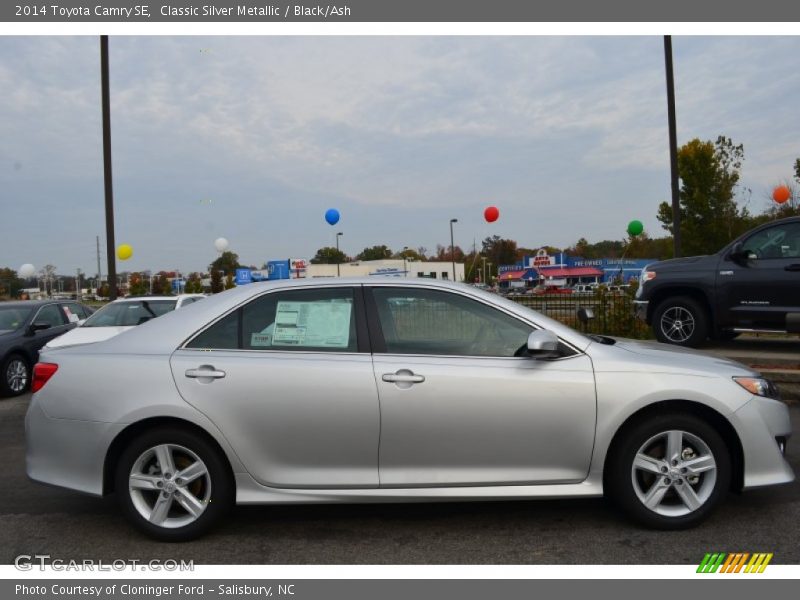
{"points": [[562, 270]]}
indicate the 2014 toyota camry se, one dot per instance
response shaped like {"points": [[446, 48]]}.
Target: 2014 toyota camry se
{"points": [[393, 390]]}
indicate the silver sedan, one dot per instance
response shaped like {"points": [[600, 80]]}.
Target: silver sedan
{"points": [[393, 390]]}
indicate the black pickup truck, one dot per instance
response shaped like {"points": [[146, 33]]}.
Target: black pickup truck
{"points": [[753, 284]]}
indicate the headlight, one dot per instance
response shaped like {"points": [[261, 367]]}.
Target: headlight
{"points": [[758, 386]]}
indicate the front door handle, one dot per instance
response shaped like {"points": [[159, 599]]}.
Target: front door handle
{"points": [[204, 372], [794, 267]]}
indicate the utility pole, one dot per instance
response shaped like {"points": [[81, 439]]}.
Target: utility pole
{"points": [[673, 148], [98, 264], [483, 269], [109, 189], [452, 248], [78, 290]]}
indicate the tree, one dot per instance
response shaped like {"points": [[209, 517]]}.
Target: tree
{"points": [[194, 284], [137, 285], [216, 282], [499, 251], [10, 284], [329, 256], [710, 217], [409, 254], [229, 283], [443, 254], [227, 261], [797, 170], [374, 253], [161, 284]]}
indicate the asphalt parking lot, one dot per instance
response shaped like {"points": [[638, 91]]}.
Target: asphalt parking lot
{"points": [[35, 519]]}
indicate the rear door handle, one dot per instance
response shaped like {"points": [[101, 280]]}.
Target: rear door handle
{"points": [[204, 372], [794, 267], [403, 377]]}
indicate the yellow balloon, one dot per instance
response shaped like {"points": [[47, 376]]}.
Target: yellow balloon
{"points": [[124, 251]]}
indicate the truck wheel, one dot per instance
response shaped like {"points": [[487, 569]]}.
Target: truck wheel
{"points": [[681, 321]]}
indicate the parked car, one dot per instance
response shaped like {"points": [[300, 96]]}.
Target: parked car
{"points": [[26, 326], [121, 315], [267, 393], [750, 285]]}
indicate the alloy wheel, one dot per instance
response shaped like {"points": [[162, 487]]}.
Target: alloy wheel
{"points": [[169, 486], [674, 473], [677, 324], [16, 375]]}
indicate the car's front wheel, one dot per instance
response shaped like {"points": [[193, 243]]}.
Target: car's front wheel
{"points": [[681, 321], [16, 376], [669, 471], [173, 484]]}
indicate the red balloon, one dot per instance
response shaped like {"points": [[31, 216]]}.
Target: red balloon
{"points": [[491, 214], [781, 194]]}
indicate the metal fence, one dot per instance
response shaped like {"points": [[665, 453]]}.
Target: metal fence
{"points": [[613, 312]]}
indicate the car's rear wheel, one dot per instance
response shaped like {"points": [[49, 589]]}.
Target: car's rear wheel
{"points": [[173, 484], [682, 321], [16, 375], [669, 471]]}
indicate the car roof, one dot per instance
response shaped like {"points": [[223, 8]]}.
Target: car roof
{"points": [[32, 303]]}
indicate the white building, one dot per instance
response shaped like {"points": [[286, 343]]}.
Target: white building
{"points": [[391, 267]]}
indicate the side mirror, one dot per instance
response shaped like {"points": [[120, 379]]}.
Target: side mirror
{"points": [[38, 326], [542, 344], [738, 254], [585, 314]]}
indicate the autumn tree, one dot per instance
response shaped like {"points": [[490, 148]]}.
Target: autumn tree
{"points": [[10, 283], [137, 285], [710, 218]]}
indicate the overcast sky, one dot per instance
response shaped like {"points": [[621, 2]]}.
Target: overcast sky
{"points": [[253, 138]]}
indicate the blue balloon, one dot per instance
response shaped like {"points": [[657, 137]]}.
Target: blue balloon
{"points": [[332, 216]]}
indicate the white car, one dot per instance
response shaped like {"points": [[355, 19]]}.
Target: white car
{"points": [[121, 315]]}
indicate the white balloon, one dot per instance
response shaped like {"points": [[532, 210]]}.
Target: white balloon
{"points": [[221, 244], [27, 270]]}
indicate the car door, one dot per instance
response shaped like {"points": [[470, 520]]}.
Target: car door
{"points": [[288, 380], [760, 290], [459, 408], [52, 315]]}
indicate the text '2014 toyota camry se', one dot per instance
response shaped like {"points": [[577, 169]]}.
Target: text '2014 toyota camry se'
{"points": [[393, 390]]}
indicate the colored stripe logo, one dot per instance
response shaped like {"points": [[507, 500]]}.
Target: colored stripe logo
{"points": [[736, 562]]}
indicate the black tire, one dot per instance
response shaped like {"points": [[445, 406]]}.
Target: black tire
{"points": [[628, 488], [682, 321], [9, 385], [216, 492]]}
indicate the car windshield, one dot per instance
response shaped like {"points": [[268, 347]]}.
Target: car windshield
{"points": [[12, 317], [127, 314]]}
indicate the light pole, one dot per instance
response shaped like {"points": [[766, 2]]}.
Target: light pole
{"points": [[452, 247], [673, 148], [338, 260], [489, 274], [405, 269], [483, 271]]}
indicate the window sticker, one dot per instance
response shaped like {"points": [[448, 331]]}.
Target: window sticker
{"points": [[318, 324]]}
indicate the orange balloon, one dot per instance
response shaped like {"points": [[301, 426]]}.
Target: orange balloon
{"points": [[781, 194]]}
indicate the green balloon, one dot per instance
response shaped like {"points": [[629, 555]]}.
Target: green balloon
{"points": [[635, 228]]}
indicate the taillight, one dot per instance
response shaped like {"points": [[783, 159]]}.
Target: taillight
{"points": [[42, 372]]}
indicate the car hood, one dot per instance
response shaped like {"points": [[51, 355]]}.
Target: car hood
{"points": [[85, 335], [658, 357], [687, 262]]}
